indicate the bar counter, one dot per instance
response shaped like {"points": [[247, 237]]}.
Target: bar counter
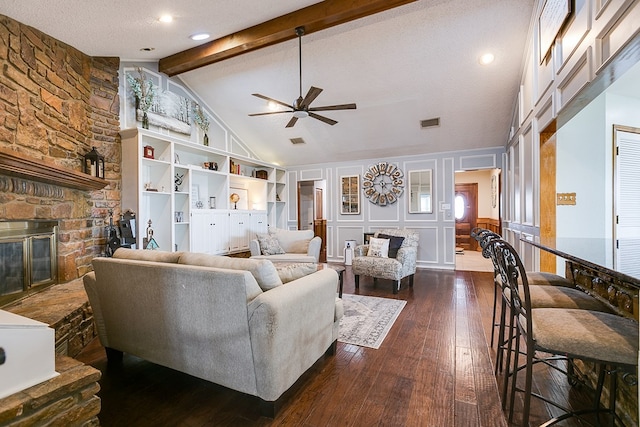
{"points": [[589, 263]]}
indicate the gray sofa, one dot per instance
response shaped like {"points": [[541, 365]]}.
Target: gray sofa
{"points": [[296, 245], [230, 321]]}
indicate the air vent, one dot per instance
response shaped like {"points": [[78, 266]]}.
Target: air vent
{"points": [[429, 123], [295, 141]]}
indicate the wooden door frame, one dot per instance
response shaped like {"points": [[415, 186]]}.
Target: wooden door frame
{"points": [[473, 189]]}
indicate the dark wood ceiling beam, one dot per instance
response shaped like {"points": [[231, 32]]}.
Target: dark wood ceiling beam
{"points": [[314, 18]]}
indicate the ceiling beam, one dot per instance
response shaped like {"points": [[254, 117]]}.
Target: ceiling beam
{"points": [[314, 18]]}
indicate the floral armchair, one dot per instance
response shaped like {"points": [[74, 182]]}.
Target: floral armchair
{"points": [[389, 267]]}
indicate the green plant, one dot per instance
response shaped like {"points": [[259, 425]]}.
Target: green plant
{"points": [[143, 89], [200, 118]]}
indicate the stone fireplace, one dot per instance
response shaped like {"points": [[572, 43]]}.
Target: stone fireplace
{"points": [[28, 260], [56, 103]]}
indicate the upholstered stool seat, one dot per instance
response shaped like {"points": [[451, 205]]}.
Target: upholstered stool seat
{"points": [[608, 340], [587, 335]]}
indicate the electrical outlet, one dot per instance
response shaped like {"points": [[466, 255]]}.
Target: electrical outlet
{"points": [[566, 199]]}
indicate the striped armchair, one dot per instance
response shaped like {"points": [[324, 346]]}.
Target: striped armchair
{"points": [[403, 265]]}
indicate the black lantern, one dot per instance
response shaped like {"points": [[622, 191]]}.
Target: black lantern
{"points": [[94, 163]]}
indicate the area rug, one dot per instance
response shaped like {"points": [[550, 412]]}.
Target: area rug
{"points": [[367, 320]]}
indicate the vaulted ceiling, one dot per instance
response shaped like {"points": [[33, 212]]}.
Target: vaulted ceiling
{"points": [[410, 63]]}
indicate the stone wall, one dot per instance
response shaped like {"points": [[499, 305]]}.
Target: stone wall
{"points": [[66, 400], [55, 104]]}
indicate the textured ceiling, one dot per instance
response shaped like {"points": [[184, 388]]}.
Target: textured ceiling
{"points": [[401, 66]]}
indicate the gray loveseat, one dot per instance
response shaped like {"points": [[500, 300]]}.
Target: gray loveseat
{"points": [[230, 321]]}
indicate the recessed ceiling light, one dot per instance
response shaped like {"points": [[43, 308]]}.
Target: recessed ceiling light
{"points": [[147, 49], [200, 36], [486, 59], [166, 18]]}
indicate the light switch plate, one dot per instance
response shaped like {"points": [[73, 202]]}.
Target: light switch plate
{"points": [[566, 198]]}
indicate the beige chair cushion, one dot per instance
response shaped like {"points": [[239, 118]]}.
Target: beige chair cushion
{"points": [[586, 334], [294, 241], [261, 269]]}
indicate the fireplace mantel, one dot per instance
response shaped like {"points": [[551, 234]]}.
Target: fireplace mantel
{"points": [[12, 163]]}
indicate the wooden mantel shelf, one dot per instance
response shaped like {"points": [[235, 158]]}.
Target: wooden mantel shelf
{"points": [[15, 164]]}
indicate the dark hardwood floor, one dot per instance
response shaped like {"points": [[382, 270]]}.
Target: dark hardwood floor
{"points": [[435, 368]]}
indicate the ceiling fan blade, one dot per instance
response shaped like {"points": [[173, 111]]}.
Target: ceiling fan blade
{"points": [[291, 122], [272, 100], [327, 120], [311, 95], [334, 107], [269, 112]]}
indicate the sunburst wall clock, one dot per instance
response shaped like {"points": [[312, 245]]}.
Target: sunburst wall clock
{"points": [[383, 183]]}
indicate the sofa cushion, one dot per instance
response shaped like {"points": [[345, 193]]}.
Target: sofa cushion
{"points": [[262, 270], [289, 272], [378, 248], [269, 244], [395, 243], [294, 241], [146, 255]]}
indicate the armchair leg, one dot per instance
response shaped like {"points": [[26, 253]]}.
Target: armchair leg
{"points": [[396, 286], [357, 277], [411, 281]]}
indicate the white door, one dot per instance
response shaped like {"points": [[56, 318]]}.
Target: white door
{"points": [[200, 231], [627, 200], [219, 232]]}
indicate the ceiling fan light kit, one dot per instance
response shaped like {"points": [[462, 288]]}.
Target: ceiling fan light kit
{"points": [[301, 106]]}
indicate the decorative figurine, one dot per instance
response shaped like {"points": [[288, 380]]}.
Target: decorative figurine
{"points": [[150, 242], [178, 181]]}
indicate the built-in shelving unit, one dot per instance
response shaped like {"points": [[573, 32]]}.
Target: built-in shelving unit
{"points": [[184, 189]]}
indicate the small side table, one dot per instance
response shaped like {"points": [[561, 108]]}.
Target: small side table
{"points": [[338, 268]]}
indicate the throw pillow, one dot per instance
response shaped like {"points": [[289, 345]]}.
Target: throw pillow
{"points": [[269, 245], [289, 272], [395, 242], [378, 247]]}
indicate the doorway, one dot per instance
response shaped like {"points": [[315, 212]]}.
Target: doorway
{"points": [[305, 205], [466, 214], [478, 205]]}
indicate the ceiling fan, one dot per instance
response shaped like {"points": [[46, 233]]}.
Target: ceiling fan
{"points": [[301, 106]]}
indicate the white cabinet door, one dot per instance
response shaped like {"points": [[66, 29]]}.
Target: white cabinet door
{"points": [[258, 224], [201, 232], [239, 223], [219, 232]]}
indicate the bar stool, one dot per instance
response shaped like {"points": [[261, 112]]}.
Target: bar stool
{"points": [[606, 339], [547, 291]]}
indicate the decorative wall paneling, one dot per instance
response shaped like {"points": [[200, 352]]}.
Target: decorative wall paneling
{"points": [[437, 231], [571, 83], [599, 42]]}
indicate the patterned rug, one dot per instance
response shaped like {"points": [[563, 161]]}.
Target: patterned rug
{"points": [[367, 320]]}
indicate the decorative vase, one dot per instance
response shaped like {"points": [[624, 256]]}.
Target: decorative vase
{"points": [[206, 139], [145, 120]]}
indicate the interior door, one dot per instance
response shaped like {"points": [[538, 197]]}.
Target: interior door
{"points": [[305, 205], [627, 200], [466, 213]]}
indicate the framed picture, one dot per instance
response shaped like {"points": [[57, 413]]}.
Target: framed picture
{"points": [[350, 195]]}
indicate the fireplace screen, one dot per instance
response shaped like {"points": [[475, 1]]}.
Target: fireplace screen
{"points": [[27, 257]]}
